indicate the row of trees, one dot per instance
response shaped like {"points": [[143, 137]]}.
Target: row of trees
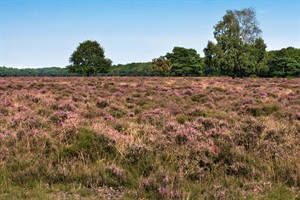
{"points": [[279, 63], [49, 71], [130, 69], [238, 51]]}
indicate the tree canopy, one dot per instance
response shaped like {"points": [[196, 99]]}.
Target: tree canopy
{"points": [[47, 71], [284, 62], [161, 66], [185, 62], [89, 59], [239, 50]]}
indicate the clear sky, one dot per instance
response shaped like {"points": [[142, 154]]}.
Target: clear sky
{"points": [[44, 33]]}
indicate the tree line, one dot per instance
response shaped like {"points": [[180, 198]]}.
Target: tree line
{"points": [[280, 63], [238, 51], [47, 71]]}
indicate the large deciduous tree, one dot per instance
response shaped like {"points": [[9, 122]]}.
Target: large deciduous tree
{"points": [[89, 59], [239, 50]]}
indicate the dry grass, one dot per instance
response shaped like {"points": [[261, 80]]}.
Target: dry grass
{"points": [[151, 138]]}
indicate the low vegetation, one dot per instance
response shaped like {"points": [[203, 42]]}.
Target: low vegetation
{"points": [[149, 138]]}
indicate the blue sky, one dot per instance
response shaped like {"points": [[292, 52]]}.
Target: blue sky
{"points": [[44, 33]]}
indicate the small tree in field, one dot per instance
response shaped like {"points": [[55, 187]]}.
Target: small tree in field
{"points": [[89, 59]]}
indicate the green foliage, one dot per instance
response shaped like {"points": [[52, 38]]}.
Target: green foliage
{"points": [[89, 59], [139, 160], [279, 193], [89, 145], [258, 57], [284, 62], [181, 119], [279, 63], [185, 62], [239, 50], [197, 113], [253, 76], [49, 71], [262, 111], [161, 66], [131, 69], [289, 52], [117, 112]]}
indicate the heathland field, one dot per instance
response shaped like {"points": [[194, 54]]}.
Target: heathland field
{"points": [[149, 138]]}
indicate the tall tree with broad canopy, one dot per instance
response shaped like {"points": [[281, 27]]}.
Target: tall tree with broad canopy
{"points": [[185, 62], [89, 59], [239, 50]]}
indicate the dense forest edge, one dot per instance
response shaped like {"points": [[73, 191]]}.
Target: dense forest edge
{"points": [[283, 63]]}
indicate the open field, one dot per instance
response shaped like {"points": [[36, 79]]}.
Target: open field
{"points": [[149, 138]]}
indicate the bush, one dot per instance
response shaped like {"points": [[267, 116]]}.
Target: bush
{"points": [[102, 104], [262, 111], [117, 112]]}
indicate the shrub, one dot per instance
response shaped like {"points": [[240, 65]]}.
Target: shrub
{"points": [[181, 139], [181, 119], [262, 111], [117, 112], [197, 113], [199, 98], [102, 104]]}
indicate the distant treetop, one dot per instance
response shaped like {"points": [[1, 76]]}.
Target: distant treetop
{"points": [[88, 59]]}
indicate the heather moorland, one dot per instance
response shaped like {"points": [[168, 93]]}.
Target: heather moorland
{"points": [[149, 138]]}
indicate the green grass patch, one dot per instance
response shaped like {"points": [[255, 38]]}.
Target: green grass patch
{"points": [[89, 145], [262, 111]]}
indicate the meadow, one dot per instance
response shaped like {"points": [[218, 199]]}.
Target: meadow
{"points": [[149, 138]]}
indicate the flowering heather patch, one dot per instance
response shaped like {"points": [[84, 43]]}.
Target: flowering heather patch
{"points": [[149, 138]]}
